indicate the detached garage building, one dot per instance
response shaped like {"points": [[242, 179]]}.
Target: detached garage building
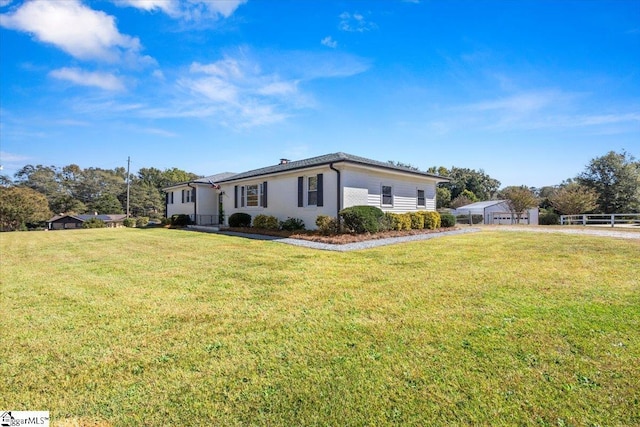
{"points": [[70, 222], [497, 212]]}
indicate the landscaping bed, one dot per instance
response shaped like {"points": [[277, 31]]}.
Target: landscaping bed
{"points": [[335, 239]]}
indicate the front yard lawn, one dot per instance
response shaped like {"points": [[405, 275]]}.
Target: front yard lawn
{"points": [[155, 327]]}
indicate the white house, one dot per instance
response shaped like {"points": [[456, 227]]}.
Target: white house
{"points": [[200, 199], [304, 189], [497, 212]]}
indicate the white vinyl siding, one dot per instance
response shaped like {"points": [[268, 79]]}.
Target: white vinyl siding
{"points": [[363, 187]]}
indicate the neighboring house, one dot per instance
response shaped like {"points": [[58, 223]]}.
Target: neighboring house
{"points": [[66, 222], [497, 212], [201, 199], [307, 188]]}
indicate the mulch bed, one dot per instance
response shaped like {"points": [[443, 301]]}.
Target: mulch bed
{"points": [[336, 239]]}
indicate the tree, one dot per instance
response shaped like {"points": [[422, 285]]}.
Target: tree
{"points": [[519, 199], [574, 199], [106, 204], [478, 182], [20, 206], [5, 181], [615, 177], [461, 200], [403, 165], [42, 179], [443, 197], [145, 198]]}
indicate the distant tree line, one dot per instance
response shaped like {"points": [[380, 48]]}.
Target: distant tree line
{"points": [[608, 184], [37, 192]]}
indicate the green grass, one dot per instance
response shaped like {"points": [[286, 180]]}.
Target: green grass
{"points": [[146, 327]]}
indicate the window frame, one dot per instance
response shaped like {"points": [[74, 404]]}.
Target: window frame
{"points": [[383, 196], [424, 198], [312, 192]]}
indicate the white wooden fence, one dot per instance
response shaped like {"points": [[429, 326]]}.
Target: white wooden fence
{"points": [[612, 220]]}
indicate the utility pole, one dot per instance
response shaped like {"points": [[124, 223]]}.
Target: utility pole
{"points": [[128, 183]]}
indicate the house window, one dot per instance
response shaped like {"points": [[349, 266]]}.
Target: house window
{"points": [[252, 193], [312, 191], [387, 196], [421, 201], [189, 196]]}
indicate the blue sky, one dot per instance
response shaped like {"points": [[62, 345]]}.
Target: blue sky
{"points": [[528, 91]]}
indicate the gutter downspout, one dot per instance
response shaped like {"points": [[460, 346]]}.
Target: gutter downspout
{"points": [[338, 198], [195, 204]]}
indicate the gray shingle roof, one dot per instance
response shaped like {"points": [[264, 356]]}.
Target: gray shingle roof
{"points": [[325, 160], [85, 217], [205, 180]]}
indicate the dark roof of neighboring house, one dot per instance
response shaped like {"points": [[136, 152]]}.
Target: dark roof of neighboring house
{"points": [[205, 180], [325, 160], [85, 217]]}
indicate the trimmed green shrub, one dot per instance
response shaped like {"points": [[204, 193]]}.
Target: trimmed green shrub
{"points": [[548, 218], [180, 220], [362, 219], [240, 219], [165, 221], [142, 221], [327, 224], [129, 222], [398, 221], [266, 222], [447, 220], [93, 223], [431, 220], [417, 220], [292, 224]]}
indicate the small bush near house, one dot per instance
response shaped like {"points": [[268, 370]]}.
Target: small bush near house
{"points": [[447, 220], [327, 224], [165, 221], [240, 219], [94, 223], [362, 219], [432, 220], [417, 220], [142, 221], [180, 220], [397, 221], [548, 218], [292, 224], [129, 222], [266, 222]]}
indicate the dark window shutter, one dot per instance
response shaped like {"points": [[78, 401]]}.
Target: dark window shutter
{"points": [[320, 199], [242, 196], [172, 197], [264, 194], [166, 198], [193, 195], [235, 197], [300, 191], [182, 196]]}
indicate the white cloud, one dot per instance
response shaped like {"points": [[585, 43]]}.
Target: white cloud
{"points": [[80, 31], [86, 78], [188, 10], [12, 158], [522, 103], [355, 22], [329, 42]]}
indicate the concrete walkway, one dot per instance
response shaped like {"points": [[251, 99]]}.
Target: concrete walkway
{"points": [[609, 232]]}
